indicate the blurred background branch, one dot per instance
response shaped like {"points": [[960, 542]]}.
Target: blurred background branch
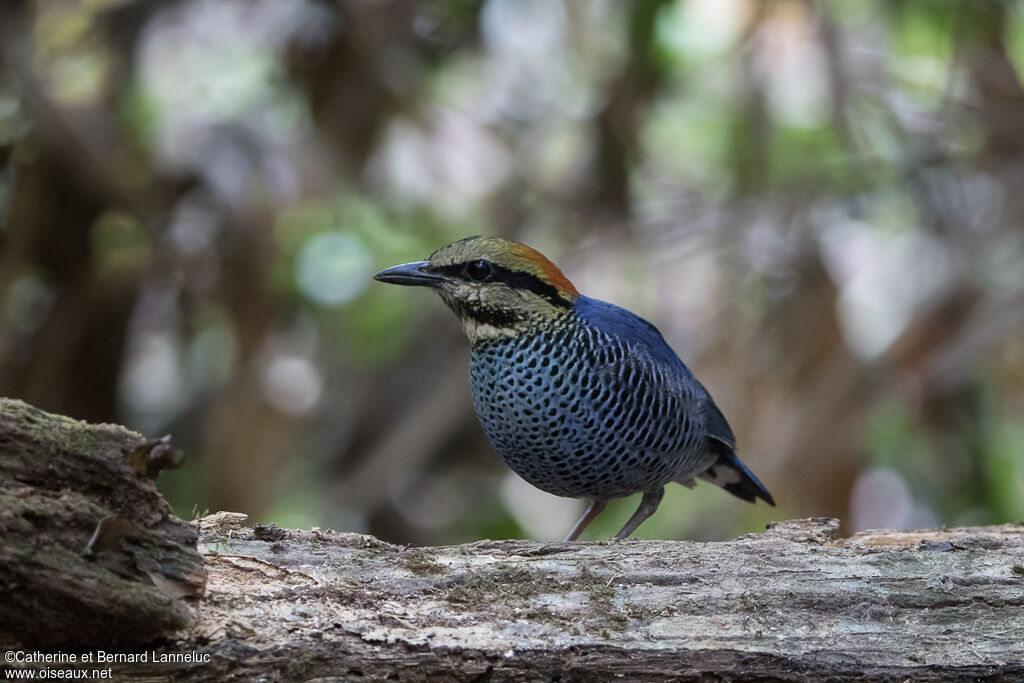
{"points": [[819, 203]]}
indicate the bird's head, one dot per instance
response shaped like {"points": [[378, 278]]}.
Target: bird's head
{"points": [[496, 287]]}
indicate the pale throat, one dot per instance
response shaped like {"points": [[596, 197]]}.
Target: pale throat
{"points": [[485, 317], [533, 321], [478, 330]]}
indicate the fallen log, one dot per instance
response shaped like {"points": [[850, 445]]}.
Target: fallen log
{"points": [[793, 603]]}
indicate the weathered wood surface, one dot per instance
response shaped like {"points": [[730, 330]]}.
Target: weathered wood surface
{"points": [[64, 483], [794, 603]]}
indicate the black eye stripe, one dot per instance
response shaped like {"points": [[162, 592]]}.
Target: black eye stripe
{"points": [[454, 270], [517, 279]]}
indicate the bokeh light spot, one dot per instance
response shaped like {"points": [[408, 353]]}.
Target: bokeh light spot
{"points": [[292, 384], [28, 302], [332, 268]]}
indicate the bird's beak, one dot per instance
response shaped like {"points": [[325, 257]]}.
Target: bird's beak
{"points": [[415, 274]]}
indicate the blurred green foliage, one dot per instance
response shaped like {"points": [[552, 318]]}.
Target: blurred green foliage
{"points": [[817, 202]]}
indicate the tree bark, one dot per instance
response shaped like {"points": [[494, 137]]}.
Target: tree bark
{"points": [[89, 552], [794, 603]]}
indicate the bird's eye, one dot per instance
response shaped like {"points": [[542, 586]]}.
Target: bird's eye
{"points": [[478, 271]]}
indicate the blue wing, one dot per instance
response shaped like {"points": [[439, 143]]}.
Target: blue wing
{"points": [[656, 401], [628, 327], [692, 414]]}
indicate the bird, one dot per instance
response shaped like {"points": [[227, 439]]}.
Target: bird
{"points": [[580, 397]]}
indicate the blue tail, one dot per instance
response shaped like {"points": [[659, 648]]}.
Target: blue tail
{"points": [[731, 474]]}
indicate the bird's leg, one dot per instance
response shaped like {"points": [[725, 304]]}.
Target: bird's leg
{"points": [[593, 511], [648, 504]]}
